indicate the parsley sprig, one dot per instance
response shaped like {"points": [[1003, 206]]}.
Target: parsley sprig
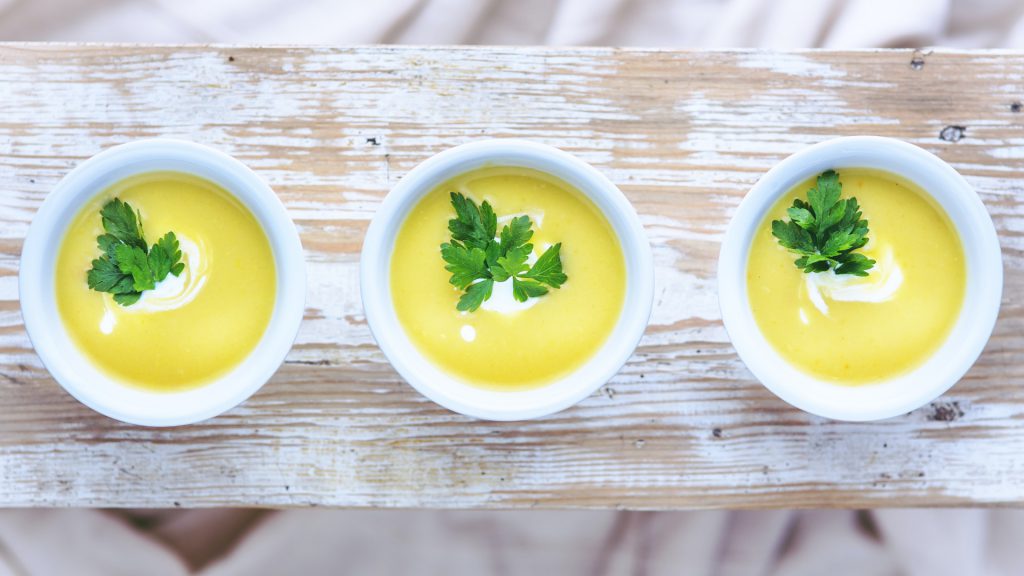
{"points": [[128, 267], [477, 260], [825, 231]]}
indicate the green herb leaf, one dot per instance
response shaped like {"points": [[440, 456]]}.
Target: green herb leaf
{"points": [[107, 243], [465, 264], [475, 296], [127, 298], [516, 233], [523, 290], [127, 267], [477, 260], [121, 222], [855, 263], [164, 257], [514, 262], [548, 268], [826, 230], [492, 252], [106, 276], [823, 198], [792, 236], [134, 260], [473, 226], [801, 216]]}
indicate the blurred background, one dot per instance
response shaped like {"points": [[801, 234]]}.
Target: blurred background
{"points": [[679, 23], [235, 542]]}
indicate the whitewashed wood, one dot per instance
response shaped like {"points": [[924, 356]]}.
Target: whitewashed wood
{"points": [[684, 134]]}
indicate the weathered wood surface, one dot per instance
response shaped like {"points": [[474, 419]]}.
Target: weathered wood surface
{"points": [[684, 134]]}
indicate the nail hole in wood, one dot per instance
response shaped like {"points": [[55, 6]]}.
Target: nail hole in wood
{"points": [[952, 133], [945, 411]]}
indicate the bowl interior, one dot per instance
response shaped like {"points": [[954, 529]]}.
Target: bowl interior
{"points": [[904, 392], [72, 369], [451, 392]]}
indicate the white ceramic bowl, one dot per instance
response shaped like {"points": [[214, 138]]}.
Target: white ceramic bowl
{"points": [[72, 369], [449, 391], [903, 393]]}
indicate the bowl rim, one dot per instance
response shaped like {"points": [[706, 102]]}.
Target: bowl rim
{"points": [[449, 391], [902, 393], [69, 366]]}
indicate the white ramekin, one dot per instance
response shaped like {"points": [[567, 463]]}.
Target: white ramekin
{"points": [[72, 369], [973, 327], [449, 391]]}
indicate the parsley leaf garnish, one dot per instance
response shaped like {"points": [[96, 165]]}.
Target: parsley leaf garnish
{"points": [[477, 260], [128, 267], [825, 231]]}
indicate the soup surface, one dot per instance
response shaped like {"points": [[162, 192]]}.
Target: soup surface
{"points": [[192, 328], [857, 330], [507, 344]]}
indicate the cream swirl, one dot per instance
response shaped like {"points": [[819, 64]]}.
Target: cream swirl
{"points": [[171, 293], [881, 284]]}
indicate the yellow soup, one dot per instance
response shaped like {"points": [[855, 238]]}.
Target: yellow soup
{"points": [[510, 347], [854, 330], [191, 328]]}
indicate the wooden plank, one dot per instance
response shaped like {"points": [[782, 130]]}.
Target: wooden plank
{"points": [[684, 134]]}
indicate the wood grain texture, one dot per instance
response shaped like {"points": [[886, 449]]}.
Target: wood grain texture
{"points": [[684, 134]]}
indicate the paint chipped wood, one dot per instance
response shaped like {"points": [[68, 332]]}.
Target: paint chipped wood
{"points": [[685, 134]]}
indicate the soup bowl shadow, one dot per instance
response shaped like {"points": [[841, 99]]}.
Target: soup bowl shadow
{"points": [[449, 391], [902, 393], [72, 369]]}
